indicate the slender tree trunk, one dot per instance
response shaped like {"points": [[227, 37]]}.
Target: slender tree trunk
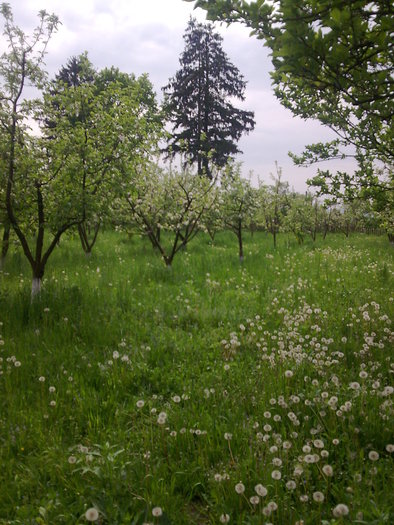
{"points": [[274, 236], [38, 274], [239, 235], [87, 245], [35, 288], [5, 244], [211, 234], [391, 237]]}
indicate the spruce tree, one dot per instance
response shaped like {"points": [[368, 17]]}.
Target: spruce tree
{"points": [[205, 125]]}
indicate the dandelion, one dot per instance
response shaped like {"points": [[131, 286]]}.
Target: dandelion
{"points": [[291, 485], [92, 514], [224, 518], [217, 477], [289, 373], [228, 436], [328, 470], [318, 497], [176, 399], [318, 443], [275, 474], [157, 512], [240, 488], [52, 389], [140, 403], [52, 403], [298, 471], [390, 448], [304, 498], [162, 418], [254, 500], [261, 490], [17, 364], [272, 506], [41, 379], [340, 510], [72, 460], [373, 455]]}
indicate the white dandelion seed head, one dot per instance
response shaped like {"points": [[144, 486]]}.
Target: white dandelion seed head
{"points": [[328, 470], [239, 488], [261, 490], [318, 496], [340, 510], [373, 455], [92, 514]]}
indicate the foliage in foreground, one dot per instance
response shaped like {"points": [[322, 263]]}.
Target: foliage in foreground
{"points": [[332, 61], [256, 393]]}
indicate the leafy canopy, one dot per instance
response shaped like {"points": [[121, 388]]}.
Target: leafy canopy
{"points": [[333, 61]]}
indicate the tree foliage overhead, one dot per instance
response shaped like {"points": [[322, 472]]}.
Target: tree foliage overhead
{"points": [[206, 126], [333, 61]]}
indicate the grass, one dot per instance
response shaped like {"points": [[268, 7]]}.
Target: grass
{"points": [[281, 364]]}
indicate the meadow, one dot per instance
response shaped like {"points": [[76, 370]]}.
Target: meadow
{"points": [[206, 393]]}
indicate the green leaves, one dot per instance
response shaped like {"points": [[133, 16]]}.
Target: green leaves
{"points": [[333, 62]]}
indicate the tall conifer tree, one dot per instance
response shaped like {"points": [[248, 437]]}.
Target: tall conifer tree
{"points": [[206, 126]]}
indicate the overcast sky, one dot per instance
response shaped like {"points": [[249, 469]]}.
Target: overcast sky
{"points": [[145, 36]]}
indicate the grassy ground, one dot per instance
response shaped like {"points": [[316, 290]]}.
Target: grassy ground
{"points": [[209, 393]]}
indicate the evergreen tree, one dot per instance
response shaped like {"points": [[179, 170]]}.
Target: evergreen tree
{"points": [[206, 126], [78, 70]]}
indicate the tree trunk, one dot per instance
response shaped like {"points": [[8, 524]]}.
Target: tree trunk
{"points": [[35, 288], [5, 244], [239, 235], [84, 232], [391, 237], [211, 234]]}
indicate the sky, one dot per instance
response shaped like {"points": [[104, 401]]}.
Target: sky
{"points": [[146, 36]]}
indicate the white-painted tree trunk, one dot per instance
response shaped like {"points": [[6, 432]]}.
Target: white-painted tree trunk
{"points": [[35, 287]]}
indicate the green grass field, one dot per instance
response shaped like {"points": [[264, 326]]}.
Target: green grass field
{"points": [[211, 392]]}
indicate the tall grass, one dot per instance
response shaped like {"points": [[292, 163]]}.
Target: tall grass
{"points": [[277, 368]]}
